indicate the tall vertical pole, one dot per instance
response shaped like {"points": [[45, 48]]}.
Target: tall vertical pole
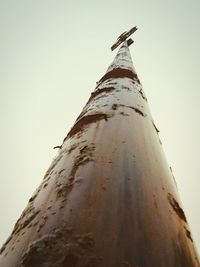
{"points": [[109, 198]]}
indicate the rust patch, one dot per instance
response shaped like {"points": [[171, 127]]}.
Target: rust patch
{"points": [[57, 147], [120, 73], [37, 192], [61, 248], [74, 146], [26, 218], [45, 185], [32, 198], [142, 95], [5, 244], [28, 215], [100, 91], [79, 125], [137, 111], [43, 219], [179, 211], [115, 106], [85, 156]]}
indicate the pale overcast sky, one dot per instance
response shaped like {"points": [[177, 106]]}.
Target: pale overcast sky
{"points": [[52, 52]]}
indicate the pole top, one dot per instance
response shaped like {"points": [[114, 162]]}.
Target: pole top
{"points": [[123, 38]]}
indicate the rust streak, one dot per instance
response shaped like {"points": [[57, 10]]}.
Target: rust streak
{"points": [[57, 147], [32, 198], [155, 127], [100, 91], [137, 110], [23, 221], [61, 248], [188, 234], [115, 106], [85, 156], [120, 73], [179, 211], [5, 244], [79, 125]]}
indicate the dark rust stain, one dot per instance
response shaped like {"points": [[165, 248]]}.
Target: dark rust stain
{"points": [[79, 125], [85, 156], [83, 149], [57, 147], [61, 248], [142, 95], [179, 211], [157, 131], [138, 111], [45, 185], [44, 219], [115, 106], [82, 113], [27, 217], [120, 73], [74, 146], [100, 91], [188, 234], [5, 244], [32, 198]]}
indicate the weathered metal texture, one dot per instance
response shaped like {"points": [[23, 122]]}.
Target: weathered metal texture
{"points": [[109, 198], [123, 38]]}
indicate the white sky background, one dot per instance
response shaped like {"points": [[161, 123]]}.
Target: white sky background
{"points": [[51, 55]]}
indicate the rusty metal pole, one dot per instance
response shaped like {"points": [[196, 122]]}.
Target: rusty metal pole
{"points": [[109, 198]]}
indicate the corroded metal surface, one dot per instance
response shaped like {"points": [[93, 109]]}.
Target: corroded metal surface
{"points": [[109, 198], [123, 38]]}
